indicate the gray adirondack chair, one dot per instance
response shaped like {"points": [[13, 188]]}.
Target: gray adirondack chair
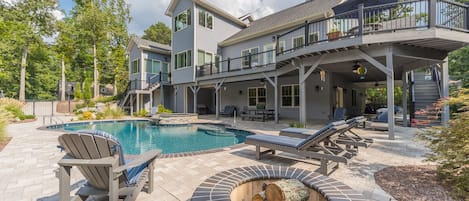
{"points": [[99, 157]]}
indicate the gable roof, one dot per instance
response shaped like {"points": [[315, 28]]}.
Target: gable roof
{"points": [[210, 7], [149, 46], [290, 17]]}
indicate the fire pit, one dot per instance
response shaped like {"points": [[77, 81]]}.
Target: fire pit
{"points": [[244, 183]]}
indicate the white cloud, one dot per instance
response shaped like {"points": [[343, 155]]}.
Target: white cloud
{"points": [[146, 13]]}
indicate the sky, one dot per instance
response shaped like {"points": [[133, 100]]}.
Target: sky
{"points": [[147, 12]]}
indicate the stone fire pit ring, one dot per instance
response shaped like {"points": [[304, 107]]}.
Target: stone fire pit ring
{"points": [[220, 185]]}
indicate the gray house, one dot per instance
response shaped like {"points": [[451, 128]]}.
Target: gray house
{"points": [[149, 70], [305, 61]]}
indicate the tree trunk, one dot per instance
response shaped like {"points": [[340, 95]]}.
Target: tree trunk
{"points": [[62, 89], [22, 96], [95, 73], [283, 190]]}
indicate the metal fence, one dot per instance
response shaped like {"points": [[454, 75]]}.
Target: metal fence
{"points": [[40, 108]]}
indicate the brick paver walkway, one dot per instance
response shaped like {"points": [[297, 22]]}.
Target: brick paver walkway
{"points": [[27, 164]]}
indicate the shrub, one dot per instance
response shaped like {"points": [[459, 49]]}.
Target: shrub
{"points": [[111, 113], [106, 99], [162, 109], [78, 93], [297, 125], [450, 146], [13, 107], [142, 113], [4, 119], [86, 116]]}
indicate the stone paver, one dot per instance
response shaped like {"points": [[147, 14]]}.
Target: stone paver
{"points": [[27, 164]]}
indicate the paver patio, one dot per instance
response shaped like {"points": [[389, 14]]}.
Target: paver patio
{"points": [[27, 164]]}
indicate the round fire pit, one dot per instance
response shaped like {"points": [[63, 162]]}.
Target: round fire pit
{"points": [[243, 183]]}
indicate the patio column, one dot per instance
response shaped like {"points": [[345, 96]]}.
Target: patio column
{"points": [[162, 94], [274, 84], [390, 86], [389, 71], [176, 88], [138, 102], [151, 100], [302, 85], [445, 89], [405, 89], [195, 91], [217, 98], [131, 104]]}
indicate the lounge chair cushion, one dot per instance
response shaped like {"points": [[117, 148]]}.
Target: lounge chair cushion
{"points": [[319, 132], [278, 140]]}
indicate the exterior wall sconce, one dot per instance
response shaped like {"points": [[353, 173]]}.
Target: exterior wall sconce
{"points": [[360, 70], [240, 92], [322, 75]]}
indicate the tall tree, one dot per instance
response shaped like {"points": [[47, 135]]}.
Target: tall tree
{"points": [[36, 21], [158, 32]]}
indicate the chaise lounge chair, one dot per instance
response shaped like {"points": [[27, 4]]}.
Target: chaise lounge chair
{"points": [[315, 146], [153, 111], [346, 136], [228, 111], [339, 114], [99, 157]]}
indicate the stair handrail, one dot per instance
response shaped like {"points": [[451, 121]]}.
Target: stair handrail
{"points": [[127, 89], [436, 73]]}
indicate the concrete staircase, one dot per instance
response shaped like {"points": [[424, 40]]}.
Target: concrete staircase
{"points": [[426, 95]]}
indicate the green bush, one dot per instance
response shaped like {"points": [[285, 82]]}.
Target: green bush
{"points": [[297, 125], [141, 113], [162, 109], [17, 112], [106, 99], [450, 146], [111, 113], [78, 93], [4, 119]]}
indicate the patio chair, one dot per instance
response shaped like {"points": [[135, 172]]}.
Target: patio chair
{"points": [[315, 146], [153, 111], [339, 114], [346, 136], [228, 111], [100, 159]]}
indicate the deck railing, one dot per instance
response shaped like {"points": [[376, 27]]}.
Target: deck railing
{"points": [[413, 14], [249, 61]]}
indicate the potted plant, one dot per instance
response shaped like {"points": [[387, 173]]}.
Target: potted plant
{"points": [[334, 34]]}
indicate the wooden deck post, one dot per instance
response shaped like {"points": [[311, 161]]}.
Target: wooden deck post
{"points": [[274, 84], [405, 91], [390, 86], [445, 89]]}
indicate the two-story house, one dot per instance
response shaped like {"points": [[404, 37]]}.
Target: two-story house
{"points": [[149, 69], [305, 61]]}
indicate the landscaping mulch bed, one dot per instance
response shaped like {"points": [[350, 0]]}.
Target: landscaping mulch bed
{"points": [[416, 183], [4, 143]]}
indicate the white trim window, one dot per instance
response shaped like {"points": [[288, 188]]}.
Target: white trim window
{"points": [[135, 66], [205, 19], [183, 59], [254, 57], [290, 95], [256, 96], [204, 57], [153, 66], [298, 42], [182, 20], [269, 54], [281, 46], [313, 37]]}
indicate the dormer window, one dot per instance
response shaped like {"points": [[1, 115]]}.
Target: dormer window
{"points": [[205, 19], [182, 20]]}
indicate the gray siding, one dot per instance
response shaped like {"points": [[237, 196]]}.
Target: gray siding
{"points": [[352, 110], [181, 41], [134, 54]]}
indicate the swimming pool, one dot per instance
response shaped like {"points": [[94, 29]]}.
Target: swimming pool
{"points": [[137, 137]]}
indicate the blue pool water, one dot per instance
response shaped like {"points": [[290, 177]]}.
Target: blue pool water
{"points": [[137, 137]]}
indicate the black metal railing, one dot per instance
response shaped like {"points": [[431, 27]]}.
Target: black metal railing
{"points": [[249, 61], [413, 14]]}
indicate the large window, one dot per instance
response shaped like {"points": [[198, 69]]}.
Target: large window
{"points": [[254, 57], [204, 57], [205, 19], [281, 46], [298, 42], [183, 59], [269, 55], [182, 20], [290, 95], [313, 37], [257, 96], [153, 66], [135, 66]]}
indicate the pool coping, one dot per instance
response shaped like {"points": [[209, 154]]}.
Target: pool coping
{"points": [[220, 185], [169, 155]]}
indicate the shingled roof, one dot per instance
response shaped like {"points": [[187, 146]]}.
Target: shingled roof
{"points": [[293, 16], [149, 45]]}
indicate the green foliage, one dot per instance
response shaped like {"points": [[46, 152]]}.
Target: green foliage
{"points": [[159, 33], [4, 119], [110, 113], [78, 93], [141, 113], [87, 92], [297, 125], [458, 62], [162, 109], [379, 96], [450, 146], [12, 109]]}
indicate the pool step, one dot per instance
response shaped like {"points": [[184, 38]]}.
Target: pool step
{"points": [[216, 131]]}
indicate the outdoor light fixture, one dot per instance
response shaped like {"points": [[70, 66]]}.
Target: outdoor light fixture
{"points": [[360, 70], [262, 82], [322, 75]]}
